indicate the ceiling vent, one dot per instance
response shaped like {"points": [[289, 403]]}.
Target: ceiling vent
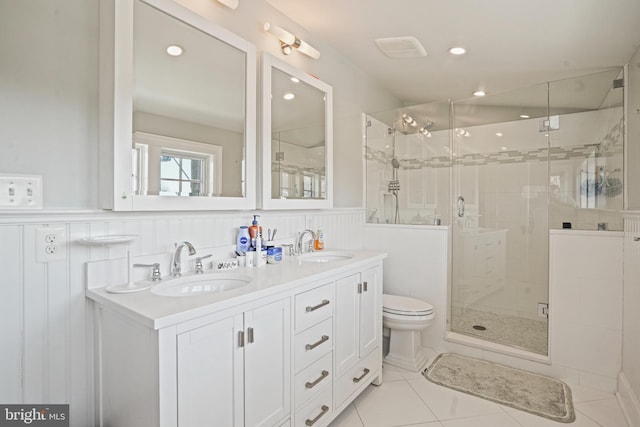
{"points": [[401, 47]]}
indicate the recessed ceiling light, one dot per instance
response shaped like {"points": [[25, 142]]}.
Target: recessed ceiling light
{"points": [[295, 79], [174, 50], [457, 50], [524, 116], [479, 93], [498, 133], [289, 96], [503, 148]]}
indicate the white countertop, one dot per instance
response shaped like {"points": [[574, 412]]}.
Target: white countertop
{"points": [[156, 312]]}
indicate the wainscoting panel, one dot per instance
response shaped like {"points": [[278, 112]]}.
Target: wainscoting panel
{"points": [[45, 320]]}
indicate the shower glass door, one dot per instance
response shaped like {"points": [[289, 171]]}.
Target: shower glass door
{"points": [[500, 181]]}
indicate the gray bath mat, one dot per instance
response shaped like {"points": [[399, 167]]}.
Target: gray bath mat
{"points": [[518, 389]]}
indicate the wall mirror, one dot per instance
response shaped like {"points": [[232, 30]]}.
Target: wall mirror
{"points": [[297, 138], [184, 110]]}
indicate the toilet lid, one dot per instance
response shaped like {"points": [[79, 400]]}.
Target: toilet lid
{"points": [[396, 304]]}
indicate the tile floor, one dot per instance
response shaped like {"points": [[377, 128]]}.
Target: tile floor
{"points": [[408, 399]]}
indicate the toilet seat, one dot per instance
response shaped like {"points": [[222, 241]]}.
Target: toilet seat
{"points": [[404, 306]]}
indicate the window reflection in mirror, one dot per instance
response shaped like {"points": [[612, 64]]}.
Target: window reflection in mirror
{"points": [[298, 140], [188, 110]]}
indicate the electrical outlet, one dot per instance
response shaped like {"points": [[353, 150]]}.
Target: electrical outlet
{"points": [[50, 244]]}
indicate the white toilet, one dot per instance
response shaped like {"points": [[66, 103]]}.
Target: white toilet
{"points": [[406, 318]]}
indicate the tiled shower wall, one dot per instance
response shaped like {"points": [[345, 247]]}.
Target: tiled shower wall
{"points": [[44, 320]]}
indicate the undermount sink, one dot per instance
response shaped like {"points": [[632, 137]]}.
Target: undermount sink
{"points": [[200, 284], [328, 256]]}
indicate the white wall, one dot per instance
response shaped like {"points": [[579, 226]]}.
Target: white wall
{"points": [[629, 379], [49, 86]]}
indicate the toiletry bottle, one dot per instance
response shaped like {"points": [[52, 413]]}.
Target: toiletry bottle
{"points": [[318, 244], [255, 230], [244, 240]]}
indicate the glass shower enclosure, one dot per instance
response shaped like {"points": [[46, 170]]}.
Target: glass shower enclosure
{"points": [[502, 171], [524, 162]]}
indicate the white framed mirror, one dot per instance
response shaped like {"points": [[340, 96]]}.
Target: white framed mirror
{"points": [[179, 118], [297, 138]]}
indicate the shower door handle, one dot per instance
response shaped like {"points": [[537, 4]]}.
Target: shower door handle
{"points": [[460, 206]]}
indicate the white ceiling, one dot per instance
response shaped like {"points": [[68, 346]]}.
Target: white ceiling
{"points": [[510, 44]]}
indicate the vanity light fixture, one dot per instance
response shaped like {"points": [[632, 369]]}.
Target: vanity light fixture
{"points": [[288, 41], [231, 4], [174, 50], [479, 93]]}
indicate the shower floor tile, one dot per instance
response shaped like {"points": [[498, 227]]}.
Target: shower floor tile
{"points": [[524, 333]]}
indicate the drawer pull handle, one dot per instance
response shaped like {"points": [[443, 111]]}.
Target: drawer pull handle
{"points": [[309, 422], [317, 343], [364, 374], [323, 375], [315, 307]]}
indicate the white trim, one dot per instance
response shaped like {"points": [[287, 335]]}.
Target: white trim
{"points": [[628, 401]]}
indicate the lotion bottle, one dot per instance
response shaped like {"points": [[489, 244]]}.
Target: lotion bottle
{"points": [[318, 244]]}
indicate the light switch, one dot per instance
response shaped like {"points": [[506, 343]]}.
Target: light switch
{"points": [[20, 191]]}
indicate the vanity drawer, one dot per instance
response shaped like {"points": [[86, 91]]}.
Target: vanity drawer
{"points": [[316, 412], [312, 344], [313, 379], [314, 306], [362, 373]]}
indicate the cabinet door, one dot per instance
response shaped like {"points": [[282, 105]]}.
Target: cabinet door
{"points": [[370, 310], [210, 375], [267, 391], [347, 322]]}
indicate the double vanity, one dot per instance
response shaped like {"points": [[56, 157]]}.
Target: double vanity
{"points": [[290, 344]]}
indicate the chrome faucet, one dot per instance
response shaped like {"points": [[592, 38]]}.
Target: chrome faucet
{"points": [[299, 247], [176, 265]]}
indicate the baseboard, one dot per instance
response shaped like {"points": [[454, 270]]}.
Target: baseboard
{"points": [[628, 401]]}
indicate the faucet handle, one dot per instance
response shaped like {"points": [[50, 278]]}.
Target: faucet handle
{"points": [[199, 269], [290, 251], [155, 272]]}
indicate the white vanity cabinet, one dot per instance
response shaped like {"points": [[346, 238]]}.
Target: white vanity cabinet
{"points": [[291, 352], [358, 346], [231, 369], [236, 369]]}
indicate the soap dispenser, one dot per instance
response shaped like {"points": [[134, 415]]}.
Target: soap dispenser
{"points": [[255, 230]]}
